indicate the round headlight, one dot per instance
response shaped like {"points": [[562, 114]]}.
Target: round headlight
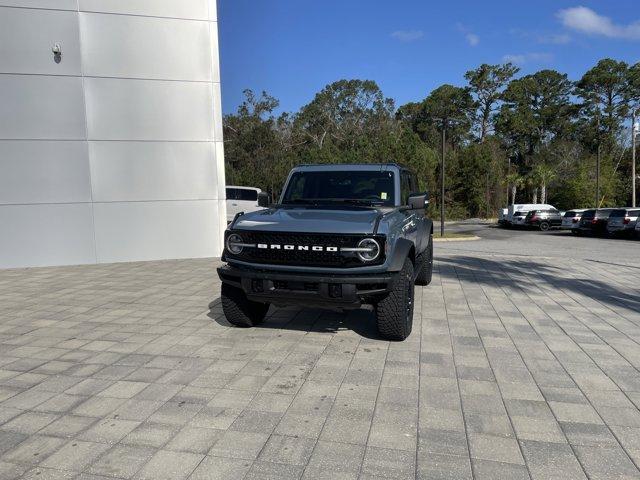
{"points": [[234, 243], [369, 249]]}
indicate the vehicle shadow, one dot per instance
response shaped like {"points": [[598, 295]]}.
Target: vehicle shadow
{"points": [[532, 277], [529, 276], [361, 321]]}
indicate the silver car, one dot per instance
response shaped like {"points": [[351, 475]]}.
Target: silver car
{"points": [[622, 221], [518, 218], [571, 219]]}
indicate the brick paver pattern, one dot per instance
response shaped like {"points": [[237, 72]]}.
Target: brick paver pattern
{"points": [[516, 368]]}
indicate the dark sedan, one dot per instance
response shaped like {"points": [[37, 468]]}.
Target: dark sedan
{"points": [[594, 221], [543, 219]]}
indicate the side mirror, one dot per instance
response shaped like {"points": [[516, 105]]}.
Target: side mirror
{"points": [[263, 199], [418, 201]]}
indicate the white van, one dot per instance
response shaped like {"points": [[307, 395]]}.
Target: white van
{"points": [[502, 216], [518, 211], [242, 199]]}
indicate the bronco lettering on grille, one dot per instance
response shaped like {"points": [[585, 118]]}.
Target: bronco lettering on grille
{"points": [[315, 248]]}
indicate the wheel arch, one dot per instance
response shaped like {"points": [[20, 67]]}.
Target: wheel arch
{"points": [[403, 249]]}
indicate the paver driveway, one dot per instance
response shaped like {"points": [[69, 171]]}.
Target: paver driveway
{"points": [[518, 367]]}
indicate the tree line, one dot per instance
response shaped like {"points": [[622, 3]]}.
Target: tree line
{"points": [[534, 138]]}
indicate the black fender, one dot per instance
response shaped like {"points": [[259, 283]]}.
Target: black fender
{"points": [[403, 248]]}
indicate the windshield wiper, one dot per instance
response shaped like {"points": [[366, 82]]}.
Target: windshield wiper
{"points": [[330, 201], [301, 201], [359, 201]]}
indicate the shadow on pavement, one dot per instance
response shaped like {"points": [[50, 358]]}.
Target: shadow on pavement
{"points": [[360, 321], [532, 276]]}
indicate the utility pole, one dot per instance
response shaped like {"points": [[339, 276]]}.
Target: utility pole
{"points": [[444, 127], [598, 162], [508, 186], [634, 131]]}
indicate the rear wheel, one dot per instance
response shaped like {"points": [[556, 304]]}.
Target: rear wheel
{"points": [[394, 313], [239, 310], [426, 265], [544, 226]]}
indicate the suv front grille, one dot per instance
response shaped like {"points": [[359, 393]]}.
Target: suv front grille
{"points": [[308, 257]]}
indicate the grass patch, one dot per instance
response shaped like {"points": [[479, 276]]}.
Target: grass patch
{"points": [[453, 235]]}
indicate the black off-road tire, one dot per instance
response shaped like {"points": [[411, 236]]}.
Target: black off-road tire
{"points": [[426, 265], [239, 310], [394, 313]]}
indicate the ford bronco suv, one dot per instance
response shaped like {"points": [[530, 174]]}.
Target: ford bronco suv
{"points": [[341, 236]]}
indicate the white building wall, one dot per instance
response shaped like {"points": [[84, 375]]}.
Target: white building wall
{"points": [[114, 153]]}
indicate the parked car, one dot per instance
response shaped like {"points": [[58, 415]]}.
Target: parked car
{"points": [[571, 219], [341, 236], [244, 199], [517, 219], [622, 221], [594, 221], [521, 210], [543, 219]]}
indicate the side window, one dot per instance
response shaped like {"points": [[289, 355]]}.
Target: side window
{"points": [[231, 194], [247, 195], [413, 183], [405, 187]]}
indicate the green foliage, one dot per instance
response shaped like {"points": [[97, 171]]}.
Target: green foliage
{"points": [[534, 123], [486, 83]]}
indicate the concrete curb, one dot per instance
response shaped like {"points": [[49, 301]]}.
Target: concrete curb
{"points": [[460, 239]]}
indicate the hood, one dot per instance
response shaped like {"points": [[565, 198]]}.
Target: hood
{"points": [[311, 220]]}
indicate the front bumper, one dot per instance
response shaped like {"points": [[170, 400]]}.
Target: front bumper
{"points": [[319, 290]]}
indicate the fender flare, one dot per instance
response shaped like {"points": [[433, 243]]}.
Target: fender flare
{"points": [[401, 251]]}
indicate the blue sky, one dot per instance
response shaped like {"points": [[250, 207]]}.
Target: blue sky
{"points": [[292, 48]]}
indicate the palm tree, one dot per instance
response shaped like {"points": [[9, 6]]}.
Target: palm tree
{"points": [[515, 181], [532, 181], [543, 173]]}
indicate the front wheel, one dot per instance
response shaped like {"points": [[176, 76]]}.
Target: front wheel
{"points": [[425, 271], [394, 313], [239, 310]]}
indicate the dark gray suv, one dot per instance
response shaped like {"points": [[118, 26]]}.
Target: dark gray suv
{"points": [[543, 219], [340, 236]]}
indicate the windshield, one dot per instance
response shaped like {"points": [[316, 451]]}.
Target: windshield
{"points": [[372, 187]]}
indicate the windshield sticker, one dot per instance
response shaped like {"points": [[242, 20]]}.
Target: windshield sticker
{"points": [[383, 196]]}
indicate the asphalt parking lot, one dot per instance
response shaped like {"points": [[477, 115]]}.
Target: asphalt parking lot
{"points": [[523, 363]]}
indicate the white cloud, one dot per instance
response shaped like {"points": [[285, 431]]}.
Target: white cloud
{"points": [[515, 59], [473, 39], [522, 58], [555, 38], [585, 20], [407, 35], [541, 37]]}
